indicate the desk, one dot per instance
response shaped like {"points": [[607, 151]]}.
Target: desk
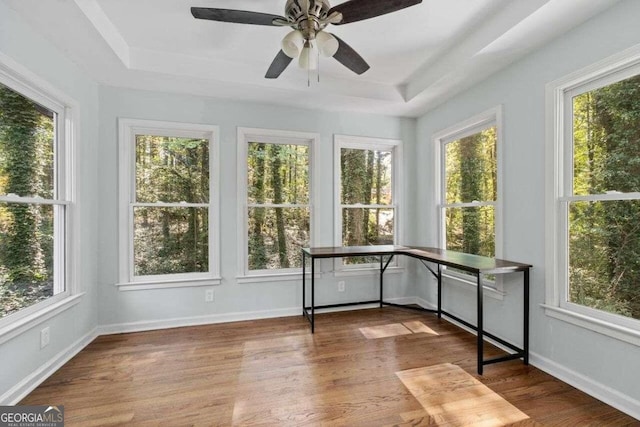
{"points": [[474, 264]]}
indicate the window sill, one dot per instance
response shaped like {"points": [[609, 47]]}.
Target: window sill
{"points": [[274, 277], [25, 323], [622, 333], [369, 271], [168, 284], [488, 291]]}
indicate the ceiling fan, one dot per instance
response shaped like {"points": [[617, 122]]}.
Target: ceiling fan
{"points": [[308, 19]]}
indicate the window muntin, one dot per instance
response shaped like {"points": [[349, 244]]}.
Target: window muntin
{"points": [[33, 205], [469, 192], [601, 201], [367, 195], [168, 217], [278, 210]]}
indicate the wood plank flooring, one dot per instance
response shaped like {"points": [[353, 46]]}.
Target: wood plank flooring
{"points": [[275, 372]]}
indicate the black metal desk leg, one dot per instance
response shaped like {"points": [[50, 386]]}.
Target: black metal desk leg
{"points": [[381, 280], [313, 293], [439, 291], [480, 329], [303, 283], [526, 317]]}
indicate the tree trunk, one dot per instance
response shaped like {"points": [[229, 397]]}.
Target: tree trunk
{"points": [[276, 183]]}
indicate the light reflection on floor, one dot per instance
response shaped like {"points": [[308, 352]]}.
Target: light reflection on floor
{"points": [[450, 396], [396, 329]]}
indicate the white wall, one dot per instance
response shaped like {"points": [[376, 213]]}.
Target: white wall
{"points": [[149, 308], [21, 357], [566, 349]]}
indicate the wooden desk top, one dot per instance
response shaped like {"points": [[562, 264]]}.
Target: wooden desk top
{"points": [[467, 262]]}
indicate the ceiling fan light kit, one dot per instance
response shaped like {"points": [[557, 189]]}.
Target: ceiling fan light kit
{"points": [[308, 19]]}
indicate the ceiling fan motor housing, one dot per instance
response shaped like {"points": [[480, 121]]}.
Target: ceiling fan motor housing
{"points": [[309, 25]]}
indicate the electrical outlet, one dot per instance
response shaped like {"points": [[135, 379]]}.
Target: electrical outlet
{"points": [[208, 295], [45, 337], [341, 286]]}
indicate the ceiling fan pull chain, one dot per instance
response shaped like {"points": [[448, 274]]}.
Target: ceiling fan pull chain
{"points": [[318, 65], [308, 76]]}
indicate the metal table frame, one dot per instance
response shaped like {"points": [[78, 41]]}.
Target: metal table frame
{"points": [[473, 264]]}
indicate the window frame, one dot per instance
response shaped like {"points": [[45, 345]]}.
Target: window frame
{"points": [[559, 193], [475, 124], [246, 135], [28, 84], [367, 143], [128, 129]]}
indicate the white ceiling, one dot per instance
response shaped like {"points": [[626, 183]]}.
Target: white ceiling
{"points": [[419, 56]]}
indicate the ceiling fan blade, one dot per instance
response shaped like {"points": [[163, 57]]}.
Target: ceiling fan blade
{"points": [[349, 57], [236, 16], [358, 10], [280, 62]]}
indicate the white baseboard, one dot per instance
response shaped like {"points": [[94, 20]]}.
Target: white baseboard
{"points": [[16, 393], [179, 322], [593, 388]]}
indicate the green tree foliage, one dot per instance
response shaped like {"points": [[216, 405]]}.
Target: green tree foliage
{"points": [[278, 198], [171, 240], [366, 181], [604, 236], [26, 229], [471, 176]]}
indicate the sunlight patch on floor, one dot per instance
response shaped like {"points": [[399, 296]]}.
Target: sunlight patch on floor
{"points": [[453, 397], [396, 329]]}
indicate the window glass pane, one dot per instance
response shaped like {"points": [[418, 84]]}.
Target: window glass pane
{"points": [[276, 236], [606, 139], [471, 168], [27, 140], [26, 256], [170, 240], [471, 230], [604, 256], [172, 169], [366, 176], [365, 227], [278, 173]]}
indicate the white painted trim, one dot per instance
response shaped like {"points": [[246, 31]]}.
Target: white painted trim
{"points": [[109, 32], [126, 186], [23, 81], [606, 394], [620, 332], [272, 136], [168, 284], [559, 192], [470, 126], [397, 191], [370, 271], [179, 322], [19, 391], [21, 325]]}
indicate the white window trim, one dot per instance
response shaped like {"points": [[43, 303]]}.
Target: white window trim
{"points": [[367, 143], [468, 127], [558, 178], [271, 136], [29, 84], [128, 128]]}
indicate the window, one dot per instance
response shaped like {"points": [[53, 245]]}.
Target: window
{"points": [[367, 194], [468, 194], [169, 204], [35, 190], [596, 200], [275, 177]]}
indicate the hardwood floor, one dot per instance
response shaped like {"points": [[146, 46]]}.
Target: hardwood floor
{"points": [[275, 372]]}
